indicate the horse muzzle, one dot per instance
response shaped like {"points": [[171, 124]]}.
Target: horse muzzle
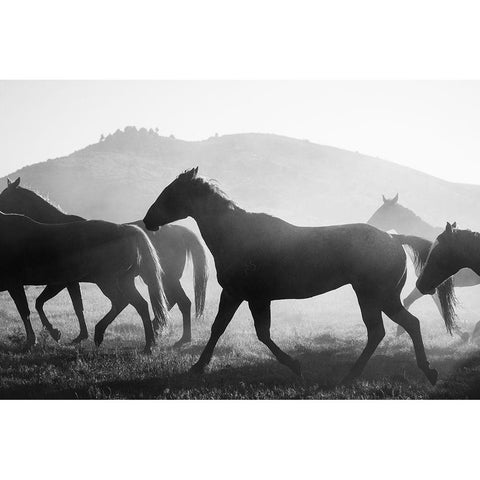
{"points": [[150, 226]]}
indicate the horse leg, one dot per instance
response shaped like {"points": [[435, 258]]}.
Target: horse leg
{"points": [[111, 290], [184, 305], [49, 292], [141, 306], [412, 297], [402, 317], [262, 319], [372, 317], [76, 296], [18, 295], [226, 309]]}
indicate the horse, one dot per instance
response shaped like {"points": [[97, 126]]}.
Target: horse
{"points": [[104, 253], [174, 244], [393, 216], [260, 258], [452, 251]]}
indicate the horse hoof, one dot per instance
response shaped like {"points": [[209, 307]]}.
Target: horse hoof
{"points": [[346, 381], [197, 369], [432, 376], [147, 350], [296, 368], [55, 334], [78, 339], [181, 342], [28, 345]]}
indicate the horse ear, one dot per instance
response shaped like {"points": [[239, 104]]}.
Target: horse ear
{"points": [[189, 174], [448, 228], [395, 199], [454, 225], [384, 199], [14, 184]]}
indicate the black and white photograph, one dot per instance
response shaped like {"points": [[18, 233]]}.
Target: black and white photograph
{"points": [[239, 240]]}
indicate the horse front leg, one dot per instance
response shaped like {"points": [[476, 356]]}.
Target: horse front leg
{"points": [[262, 319], [226, 309], [18, 295], [76, 296], [49, 292]]}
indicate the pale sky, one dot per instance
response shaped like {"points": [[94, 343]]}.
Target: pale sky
{"points": [[433, 126]]}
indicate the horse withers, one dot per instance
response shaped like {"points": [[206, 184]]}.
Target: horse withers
{"points": [[103, 253], [260, 258]]}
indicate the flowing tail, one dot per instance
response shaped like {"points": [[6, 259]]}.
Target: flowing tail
{"points": [[151, 273], [200, 270], [420, 248]]}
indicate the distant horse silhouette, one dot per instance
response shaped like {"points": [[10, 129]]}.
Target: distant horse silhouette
{"points": [[104, 253], [173, 244], [260, 258], [452, 251], [393, 216]]}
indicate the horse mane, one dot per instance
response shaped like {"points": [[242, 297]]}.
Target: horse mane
{"points": [[45, 198], [407, 212], [209, 189]]}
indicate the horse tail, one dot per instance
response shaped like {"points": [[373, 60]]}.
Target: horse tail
{"points": [[420, 248], [151, 273], [200, 270]]}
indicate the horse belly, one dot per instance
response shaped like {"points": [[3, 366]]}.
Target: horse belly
{"points": [[283, 283]]}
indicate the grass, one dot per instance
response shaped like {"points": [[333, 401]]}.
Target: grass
{"points": [[326, 334]]}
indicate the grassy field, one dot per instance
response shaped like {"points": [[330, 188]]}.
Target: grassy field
{"points": [[325, 333]]}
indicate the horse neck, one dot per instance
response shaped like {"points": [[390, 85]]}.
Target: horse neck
{"points": [[47, 213], [413, 225], [216, 227], [467, 249]]}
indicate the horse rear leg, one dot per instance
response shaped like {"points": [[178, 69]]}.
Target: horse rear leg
{"points": [[132, 295], [76, 296], [412, 297], [262, 319], [402, 317], [18, 295], [372, 317], [49, 292], [112, 291], [226, 310], [176, 296]]}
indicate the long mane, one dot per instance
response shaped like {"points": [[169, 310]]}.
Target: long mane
{"points": [[209, 189]]}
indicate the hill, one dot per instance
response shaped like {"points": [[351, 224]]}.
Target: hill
{"points": [[303, 182]]}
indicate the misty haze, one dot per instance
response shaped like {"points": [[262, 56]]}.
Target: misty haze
{"points": [[344, 302]]}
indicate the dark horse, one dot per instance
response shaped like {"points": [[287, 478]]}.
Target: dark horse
{"points": [[393, 216], [104, 253], [173, 245], [260, 258], [453, 250]]}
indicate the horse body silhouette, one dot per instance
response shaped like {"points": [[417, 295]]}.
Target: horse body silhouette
{"points": [[173, 245], [393, 216], [260, 258], [104, 253]]}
